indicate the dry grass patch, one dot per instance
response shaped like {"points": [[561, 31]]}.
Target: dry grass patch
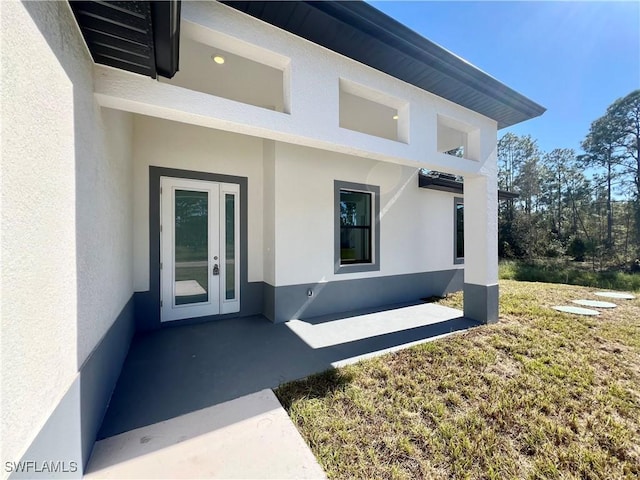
{"points": [[541, 394]]}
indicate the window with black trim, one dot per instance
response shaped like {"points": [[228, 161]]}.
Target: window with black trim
{"points": [[355, 227], [458, 220], [357, 232]]}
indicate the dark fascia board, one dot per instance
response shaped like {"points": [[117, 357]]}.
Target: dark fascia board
{"points": [[453, 186], [484, 94], [166, 36], [419, 47]]}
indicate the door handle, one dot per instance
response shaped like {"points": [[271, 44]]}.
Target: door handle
{"points": [[216, 269]]}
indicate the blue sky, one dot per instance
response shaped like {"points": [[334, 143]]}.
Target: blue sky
{"points": [[574, 58]]}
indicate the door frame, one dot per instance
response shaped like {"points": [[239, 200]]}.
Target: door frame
{"points": [[150, 310], [217, 302]]}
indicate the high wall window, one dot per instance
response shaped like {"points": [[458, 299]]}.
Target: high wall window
{"points": [[239, 72], [357, 238], [458, 220], [457, 139], [372, 112]]}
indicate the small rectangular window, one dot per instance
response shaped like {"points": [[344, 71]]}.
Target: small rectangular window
{"points": [[355, 227], [372, 112], [457, 139], [255, 77], [459, 230]]}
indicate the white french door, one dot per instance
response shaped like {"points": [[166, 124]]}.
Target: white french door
{"points": [[199, 248]]}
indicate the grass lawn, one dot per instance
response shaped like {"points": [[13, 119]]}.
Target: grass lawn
{"points": [[539, 395]]}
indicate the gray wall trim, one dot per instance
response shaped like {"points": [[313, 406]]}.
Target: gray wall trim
{"points": [[456, 201], [150, 306], [269, 302], [292, 301], [251, 299], [481, 302], [369, 267], [100, 372], [71, 430], [147, 318]]}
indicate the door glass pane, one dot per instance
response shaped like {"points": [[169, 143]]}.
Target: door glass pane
{"points": [[230, 246], [355, 227], [191, 247]]}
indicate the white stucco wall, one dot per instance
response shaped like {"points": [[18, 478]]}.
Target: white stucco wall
{"points": [[313, 79], [269, 212], [39, 342], [66, 236], [104, 222], [290, 211], [416, 226], [312, 83], [169, 144]]}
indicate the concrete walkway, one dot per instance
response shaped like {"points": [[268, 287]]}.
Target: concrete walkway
{"points": [[189, 398], [250, 437]]}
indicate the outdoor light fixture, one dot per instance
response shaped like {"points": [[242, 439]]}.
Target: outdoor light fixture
{"points": [[218, 59]]}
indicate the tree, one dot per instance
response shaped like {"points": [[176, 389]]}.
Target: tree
{"points": [[601, 145], [513, 151], [586, 206], [517, 170], [613, 142], [558, 163], [625, 115]]}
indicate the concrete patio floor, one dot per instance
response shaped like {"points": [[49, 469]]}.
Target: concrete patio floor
{"points": [[173, 372]]}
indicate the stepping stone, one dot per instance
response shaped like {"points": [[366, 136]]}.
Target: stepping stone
{"points": [[595, 303], [576, 310], [621, 295]]}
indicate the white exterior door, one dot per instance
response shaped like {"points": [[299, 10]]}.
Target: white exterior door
{"points": [[199, 248]]}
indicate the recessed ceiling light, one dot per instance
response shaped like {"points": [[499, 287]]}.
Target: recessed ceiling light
{"points": [[395, 117], [218, 59]]}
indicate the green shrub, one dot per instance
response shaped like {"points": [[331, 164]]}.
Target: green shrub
{"points": [[577, 249], [560, 272]]}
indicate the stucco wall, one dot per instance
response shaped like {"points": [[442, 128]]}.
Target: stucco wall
{"points": [[169, 144], [269, 212], [313, 78], [66, 235], [104, 222], [291, 212], [416, 226]]}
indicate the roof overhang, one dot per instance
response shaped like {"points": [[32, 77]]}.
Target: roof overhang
{"points": [[437, 182], [140, 37], [365, 34]]}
